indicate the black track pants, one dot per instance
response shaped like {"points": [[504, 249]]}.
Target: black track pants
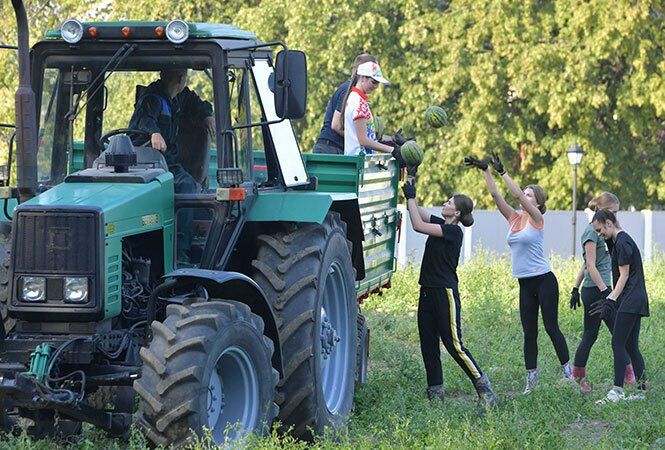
{"points": [[625, 344], [439, 313], [541, 292], [591, 326]]}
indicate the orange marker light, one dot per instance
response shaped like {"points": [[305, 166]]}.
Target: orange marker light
{"points": [[159, 31], [92, 31], [126, 31]]}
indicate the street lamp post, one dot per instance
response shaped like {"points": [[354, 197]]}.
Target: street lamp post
{"points": [[575, 155]]}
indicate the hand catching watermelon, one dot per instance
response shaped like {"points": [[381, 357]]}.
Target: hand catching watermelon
{"points": [[436, 116]]}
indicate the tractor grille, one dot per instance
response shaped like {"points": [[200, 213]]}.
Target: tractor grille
{"points": [[56, 241]]}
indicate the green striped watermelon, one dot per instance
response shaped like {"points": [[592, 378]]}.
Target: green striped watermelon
{"points": [[412, 153], [378, 127], [436, 116]]}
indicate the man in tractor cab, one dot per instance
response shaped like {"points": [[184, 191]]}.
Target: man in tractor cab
{"points": [[158, 110]]}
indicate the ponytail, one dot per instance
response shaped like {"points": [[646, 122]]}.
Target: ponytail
{"points": [[352, 82]]}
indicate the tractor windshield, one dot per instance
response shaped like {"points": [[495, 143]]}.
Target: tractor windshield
{"points": [[81, 102]]}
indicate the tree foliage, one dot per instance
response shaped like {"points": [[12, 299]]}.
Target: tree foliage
{"points": [[526, 79]]}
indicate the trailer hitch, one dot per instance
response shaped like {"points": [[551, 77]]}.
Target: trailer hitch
{"points": [[25, 391]]}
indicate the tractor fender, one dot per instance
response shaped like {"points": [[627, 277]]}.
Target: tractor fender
{"points": [[241, 288]]}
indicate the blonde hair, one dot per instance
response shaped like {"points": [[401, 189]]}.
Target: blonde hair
{"points": [[540, 195], [604, 201]]}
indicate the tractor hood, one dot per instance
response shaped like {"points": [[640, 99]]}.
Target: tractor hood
{"points": [[126, 207]]}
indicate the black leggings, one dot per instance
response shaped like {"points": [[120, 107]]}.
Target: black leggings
{"points": [[439, 313], [591, 326], [625, 337], [541, 292]]}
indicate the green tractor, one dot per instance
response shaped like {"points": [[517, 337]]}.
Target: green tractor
{"points": [[258, 321]]}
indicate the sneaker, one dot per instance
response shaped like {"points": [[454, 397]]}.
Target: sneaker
{"points": [[436, 392], [531, 381], [567, 371], [618, 395], [486, 396], [629, 376], [579, 374]]}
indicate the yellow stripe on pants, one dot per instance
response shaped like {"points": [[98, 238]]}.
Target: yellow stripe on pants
{"points": [[456, 342]]}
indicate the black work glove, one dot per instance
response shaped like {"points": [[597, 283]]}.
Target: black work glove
{"points": [[399, 139], [397, 154], [497, 164], [605, 307], [470, 161], [606, 292], [575, 298], [409, 190], [412, 170]]}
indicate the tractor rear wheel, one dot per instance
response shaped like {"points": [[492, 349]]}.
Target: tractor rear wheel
{"points": [[306, 272], [208, 366]]}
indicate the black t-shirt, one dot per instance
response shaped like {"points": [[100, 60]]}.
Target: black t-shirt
{"points": [[634, 298], [439, 265]]}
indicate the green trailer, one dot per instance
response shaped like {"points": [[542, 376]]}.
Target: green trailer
{"points": [[258, 319]]}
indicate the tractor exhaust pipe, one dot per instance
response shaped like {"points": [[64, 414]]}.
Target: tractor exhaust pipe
{"points": [[25, 110]]}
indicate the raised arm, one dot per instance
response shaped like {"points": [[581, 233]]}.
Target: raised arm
{"points": [[417, 222], [517, 192], [506, 210]]}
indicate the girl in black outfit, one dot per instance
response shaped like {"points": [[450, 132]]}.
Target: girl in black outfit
{"points": [[627, 303], [439, 307]]}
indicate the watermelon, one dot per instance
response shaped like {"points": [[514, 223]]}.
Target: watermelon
{"points": [[436, 116], [378, 127], [412, 153]]}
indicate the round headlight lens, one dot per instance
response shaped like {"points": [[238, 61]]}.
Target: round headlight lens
{"points": [[71, 31], [76, 289], [34, 289], [177, 31]]}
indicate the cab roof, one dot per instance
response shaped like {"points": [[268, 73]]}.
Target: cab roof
{"points": [[197, 30]]}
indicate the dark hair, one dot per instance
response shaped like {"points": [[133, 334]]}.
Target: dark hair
{"points": [[603, 215], [541, 196], [168, 75], [360, 59], [464, 205]]}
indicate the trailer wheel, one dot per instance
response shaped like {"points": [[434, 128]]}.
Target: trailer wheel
{"points": [[363, 350], [5, 254], [307, 274], [208, 367]]}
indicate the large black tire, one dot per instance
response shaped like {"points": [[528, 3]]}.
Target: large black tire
{"points": [[199, 348], [5, 254], [300, 268]]}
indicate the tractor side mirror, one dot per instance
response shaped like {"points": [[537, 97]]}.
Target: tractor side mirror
{"points": [[290, 84]]}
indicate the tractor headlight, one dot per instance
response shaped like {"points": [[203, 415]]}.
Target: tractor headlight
{"points": [[34, 289], [71, 31], [76, 289], [177, 31]]}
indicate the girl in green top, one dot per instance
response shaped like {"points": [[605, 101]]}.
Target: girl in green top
{"points": [[596, 271]]}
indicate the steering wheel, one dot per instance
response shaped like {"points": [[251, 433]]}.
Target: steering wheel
{"points": [[104, 140]]}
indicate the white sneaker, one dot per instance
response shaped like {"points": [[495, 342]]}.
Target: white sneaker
{"points": [[531, 381], [618, 395], [567, 371]]}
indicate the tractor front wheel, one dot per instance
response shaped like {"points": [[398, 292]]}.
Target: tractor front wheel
{"points": [[208, 367]]}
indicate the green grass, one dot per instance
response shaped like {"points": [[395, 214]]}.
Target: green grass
{"points": [[391, 409]]}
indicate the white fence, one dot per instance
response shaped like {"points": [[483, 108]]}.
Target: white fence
{"points": [[488, 232]]}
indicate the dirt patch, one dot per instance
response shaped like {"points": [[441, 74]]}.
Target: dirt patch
{"points": [[592, 431]]}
